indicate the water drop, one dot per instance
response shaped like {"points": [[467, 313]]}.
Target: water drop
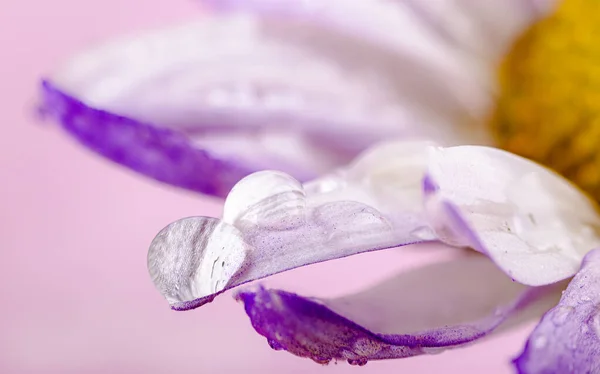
{"points": [[585, 298]]}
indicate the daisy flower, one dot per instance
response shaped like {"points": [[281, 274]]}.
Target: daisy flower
{"points": [[340, 127]]}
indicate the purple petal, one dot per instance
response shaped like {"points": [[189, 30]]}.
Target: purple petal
{"points": [[160, 153], [567, 340], [240, 94], [440, 306]]}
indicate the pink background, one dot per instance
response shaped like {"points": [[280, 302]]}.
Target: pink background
{"points": [[76, 297]]}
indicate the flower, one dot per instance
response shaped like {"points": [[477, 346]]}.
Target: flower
{"points": [[305, 88]]}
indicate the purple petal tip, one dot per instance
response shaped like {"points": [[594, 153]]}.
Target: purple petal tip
{"points": [[158, 152]]}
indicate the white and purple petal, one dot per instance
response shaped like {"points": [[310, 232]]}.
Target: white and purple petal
{"points": [[439, 306], [203, 104], [533, 224], [567, 340], [530, 221], [270, 224]]}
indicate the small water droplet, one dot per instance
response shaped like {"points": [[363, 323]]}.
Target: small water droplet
{"points": [[585, 298], [540, 342], [561, 314], [361, 361]]}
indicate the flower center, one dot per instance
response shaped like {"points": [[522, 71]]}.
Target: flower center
{"points": [[548, 107]]}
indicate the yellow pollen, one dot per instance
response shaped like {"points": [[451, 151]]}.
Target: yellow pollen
{"points": [[548, 107]]}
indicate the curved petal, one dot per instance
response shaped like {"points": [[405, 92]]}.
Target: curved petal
{"points": [[567, 340], [529, 220], [430, 68], [484, 28], [270, 224], [427, 310], [242, 94], [161, 153], [463, 39], [399, 193]]}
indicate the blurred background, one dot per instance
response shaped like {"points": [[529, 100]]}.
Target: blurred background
{"points": [[75, 228]]}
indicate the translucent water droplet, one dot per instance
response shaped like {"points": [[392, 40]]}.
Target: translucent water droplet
{"points": [[561, 314], [540, 342]]}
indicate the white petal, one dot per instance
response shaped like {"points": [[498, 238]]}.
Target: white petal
{"points": [[262, 94], [533, 223]]}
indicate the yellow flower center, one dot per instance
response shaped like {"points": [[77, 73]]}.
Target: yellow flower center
{"points": [[549, 102]]}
